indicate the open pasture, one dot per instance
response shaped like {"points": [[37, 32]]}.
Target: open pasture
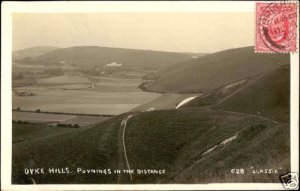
{"points": [[82, 101], [53, 119], [85, 120], [40, 117], [27, 132], [58, 80]]}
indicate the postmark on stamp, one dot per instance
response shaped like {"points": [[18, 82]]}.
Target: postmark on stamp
{"points": [[276, 27]]}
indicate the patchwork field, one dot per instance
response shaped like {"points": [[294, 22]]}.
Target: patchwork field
{"points": [[104, 84], [53, 119], [63, 80], [40, 117], [69, 94], [79, 101], [85, 120]]}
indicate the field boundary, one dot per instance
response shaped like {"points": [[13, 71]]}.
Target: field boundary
{"points": [[62, 113]]}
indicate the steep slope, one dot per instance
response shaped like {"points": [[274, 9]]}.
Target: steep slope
{"points": [[267, 94], [86, 56], [172, 68], [214, 70], [165, 101], [85, 148], [32, 52], [173, 141]]}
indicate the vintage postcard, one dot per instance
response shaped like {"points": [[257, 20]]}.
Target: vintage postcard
{"points": [[150, 95]]}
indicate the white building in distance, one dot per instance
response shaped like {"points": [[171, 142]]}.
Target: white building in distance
{"points": [[114, 64]]}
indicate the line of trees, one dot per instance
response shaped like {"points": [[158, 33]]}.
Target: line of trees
{"points": [[62, 113], [68, 125], [57, 125]]}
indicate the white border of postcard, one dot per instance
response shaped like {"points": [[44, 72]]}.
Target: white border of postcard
{"points": [[117, 6]]}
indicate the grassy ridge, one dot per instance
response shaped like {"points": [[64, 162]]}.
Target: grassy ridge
{"points": [[87, 148], [267, 95], [215, 70], [174, 139], [169, 139], [31, 52], [100, 56], [261, 146]]}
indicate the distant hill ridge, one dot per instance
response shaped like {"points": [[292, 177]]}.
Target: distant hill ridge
{"points": [[88, 56], [32, 52], [214, 70]]}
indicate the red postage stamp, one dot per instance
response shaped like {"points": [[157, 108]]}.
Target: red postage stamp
{"points": [[276, 27]]}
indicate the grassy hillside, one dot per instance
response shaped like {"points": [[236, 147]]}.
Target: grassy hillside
{"points": [[91, 148], [171, 140], [214, 70], [32, 52], [178, 141], [85, 56], [172, 68], [267, 95], [261, 150], [24, 131], [165, 101]]}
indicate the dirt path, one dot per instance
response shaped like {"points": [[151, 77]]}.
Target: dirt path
{"points": [[123, 126]]}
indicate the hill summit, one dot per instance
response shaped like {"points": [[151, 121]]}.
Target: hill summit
{"points": [[214, 70]]}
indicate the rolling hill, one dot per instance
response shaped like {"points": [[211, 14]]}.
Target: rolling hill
{"points": [[32, 52], [91, 56], [238, 120], [190, 145], [267, 94], [214, 70]]}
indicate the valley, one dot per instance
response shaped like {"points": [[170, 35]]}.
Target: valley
{"points": [[194, 119]]}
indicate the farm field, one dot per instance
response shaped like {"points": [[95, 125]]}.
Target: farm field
{"points": [[85, 120], [62, 80], [52, 119], [113, 84], [80, 101], [40, 117], [73, 95], [32, 131]]}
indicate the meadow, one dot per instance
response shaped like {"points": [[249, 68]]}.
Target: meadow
{"points": [[53, 119], [110, 96], [40, 117], [30, 131], [58, 80]]}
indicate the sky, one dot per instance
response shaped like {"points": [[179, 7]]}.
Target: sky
{"points": [[176, 32]]}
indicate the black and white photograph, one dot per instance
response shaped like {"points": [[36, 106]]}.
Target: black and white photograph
{"points": [[151, 97]]}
